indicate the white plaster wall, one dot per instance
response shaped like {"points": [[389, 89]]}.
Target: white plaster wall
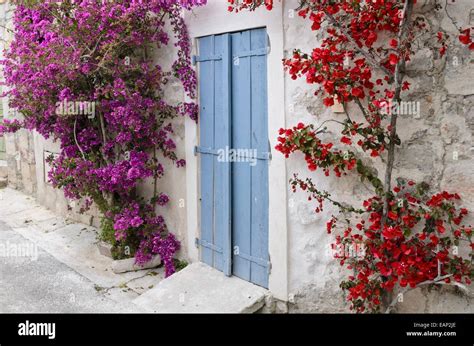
{"points": [[173, 182], [312, 269]]}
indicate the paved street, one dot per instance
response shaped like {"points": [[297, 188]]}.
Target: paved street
{"points": [[48, 264], [40, 283]]}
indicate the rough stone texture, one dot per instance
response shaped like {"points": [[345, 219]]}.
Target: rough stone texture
{"points": [[21, 161], [437, 147], [19, 147]]}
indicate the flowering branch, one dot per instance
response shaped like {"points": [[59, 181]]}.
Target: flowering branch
{"points": [[398, 77]]}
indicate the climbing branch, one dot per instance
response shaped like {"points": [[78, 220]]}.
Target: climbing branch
{"points": [[75, 140], [370, 59], [398, 77]]}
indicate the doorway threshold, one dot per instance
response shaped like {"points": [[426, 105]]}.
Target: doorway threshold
{"points": [[199, 288]]}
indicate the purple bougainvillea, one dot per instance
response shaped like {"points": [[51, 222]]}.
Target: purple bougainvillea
{"points": [[93, 61]]}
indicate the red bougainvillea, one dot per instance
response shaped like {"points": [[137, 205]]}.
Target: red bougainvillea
{"points": [[402, 237]]}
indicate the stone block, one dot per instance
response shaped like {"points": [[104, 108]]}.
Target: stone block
{"points": [[10, 143], [199, 288], [413, 301], [459, 177], [128, 265], [422, 60], [105, 249]]}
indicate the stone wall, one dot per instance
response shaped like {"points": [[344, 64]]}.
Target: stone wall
{"points": [[19, 147], [25, 151], [437, 148], [21, 162]]}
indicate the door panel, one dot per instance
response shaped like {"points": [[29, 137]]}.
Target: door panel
{"points": [[234, 191], [215, 135], [259, 234], [250, 179]]}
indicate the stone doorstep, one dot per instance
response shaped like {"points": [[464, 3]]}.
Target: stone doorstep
{"points": [[198, 288]]}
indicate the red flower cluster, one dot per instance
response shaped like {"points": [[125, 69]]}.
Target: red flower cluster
{"points": [[303, 138], [235, 5], [399, 255], [465, 38]]}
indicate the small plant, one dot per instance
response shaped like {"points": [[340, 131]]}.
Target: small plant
{"points": [[180, 264]]}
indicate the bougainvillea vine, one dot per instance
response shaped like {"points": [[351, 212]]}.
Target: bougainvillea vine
{"points": [[94, 59]]}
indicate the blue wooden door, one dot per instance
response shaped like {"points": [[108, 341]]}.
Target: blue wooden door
{"points": [[214, 84], [250, 179], [234, 123]]}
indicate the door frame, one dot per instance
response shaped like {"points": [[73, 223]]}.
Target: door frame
{"points": [[213, 19]]}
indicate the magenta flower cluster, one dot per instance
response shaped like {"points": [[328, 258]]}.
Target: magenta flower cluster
{"points": [[101, 53]]}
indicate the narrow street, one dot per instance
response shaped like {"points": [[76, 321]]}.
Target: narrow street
{"points": [[40, 283], [41, 273]]}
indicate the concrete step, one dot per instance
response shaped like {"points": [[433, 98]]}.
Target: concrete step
{"points": [[198, 288]]}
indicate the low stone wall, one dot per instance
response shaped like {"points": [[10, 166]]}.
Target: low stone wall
{"points": [[20, 157]]}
